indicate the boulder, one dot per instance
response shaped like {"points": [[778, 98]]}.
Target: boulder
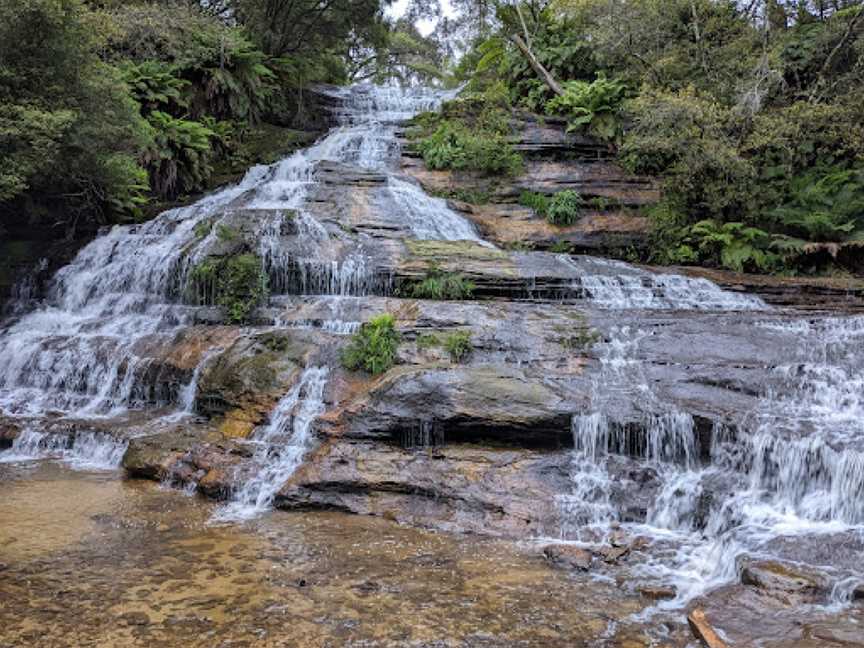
{"points": [[780, 578], [568, 556]]}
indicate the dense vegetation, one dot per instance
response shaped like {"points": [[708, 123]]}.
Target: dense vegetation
{"points": [[110, 106], [749, 113]]}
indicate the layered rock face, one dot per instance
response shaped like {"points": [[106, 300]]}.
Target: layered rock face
{"points": [[680, 435], [555, 160]]}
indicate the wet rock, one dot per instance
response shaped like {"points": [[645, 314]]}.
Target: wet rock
{"points": [[244, 383], [783, 578], [612, 554], [568, 556], [703, 630], [858, 593], [657, 592], [466, 488], [9, 430]]}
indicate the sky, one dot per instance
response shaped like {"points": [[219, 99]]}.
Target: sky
{"points": [[425, 26]]}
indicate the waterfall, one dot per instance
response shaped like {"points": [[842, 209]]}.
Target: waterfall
{"points": [[616, 285], [280, 446], [793, 467], [85, 349], [82, 450]]}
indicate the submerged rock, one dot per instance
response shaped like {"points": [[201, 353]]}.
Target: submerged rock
{"points": [[568, 556]]}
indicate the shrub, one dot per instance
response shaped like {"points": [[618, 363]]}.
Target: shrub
{"points": [[237, 283], [373, 347], [592, 107], [453, 145], [443, 286], [458, 345], [538, 202], [564, 208]]}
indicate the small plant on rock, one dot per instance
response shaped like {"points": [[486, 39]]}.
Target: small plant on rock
{"points": [[565, 207], [373, 347], [443, 286], [538, 202], [458, 345]]}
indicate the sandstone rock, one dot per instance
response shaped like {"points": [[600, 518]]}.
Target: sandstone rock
{"points": [[703, 631], [657, 592], [613, 554], [568, 556], [782, 578]]}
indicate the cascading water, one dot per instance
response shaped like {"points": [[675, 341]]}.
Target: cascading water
{"points": [[83, 450], [617, 285], [280, 446], [793, 468], [84, 350]]}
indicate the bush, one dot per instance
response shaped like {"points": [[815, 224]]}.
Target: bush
{"points": [[373, 347], [458, 345], [69, 132], [591, 107], [237, 283], [564, 208], [454, 146], [538, 202], [443, 286]]}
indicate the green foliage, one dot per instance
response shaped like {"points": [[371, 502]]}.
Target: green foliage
{"points": [[455, 146], [180, 159], [458, 345], [155, 85], [591, 107], [428, 341], [373, 348], [471, 133], [734, 245], [538, 202], [565, 208], [561, 247], [69, 132], [442, 286], [824, 205], [236, 283]]}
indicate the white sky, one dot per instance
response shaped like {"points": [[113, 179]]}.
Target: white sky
{"points": [[425, 27]]}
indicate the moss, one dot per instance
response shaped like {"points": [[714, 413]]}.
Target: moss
{"points": [[580, 340], [373, 348], [226, 233], [561, 247], [461, 249], [458, 345]]}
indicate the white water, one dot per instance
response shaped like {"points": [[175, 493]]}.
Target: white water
{"points": [[617, 285], [794, 467], [86, 348], [279, 447], [82, 450]]}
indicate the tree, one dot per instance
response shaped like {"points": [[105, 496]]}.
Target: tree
{"points": [[69, 132]]}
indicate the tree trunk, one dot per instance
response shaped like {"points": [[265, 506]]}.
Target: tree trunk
{"points": [[548, 79]]}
